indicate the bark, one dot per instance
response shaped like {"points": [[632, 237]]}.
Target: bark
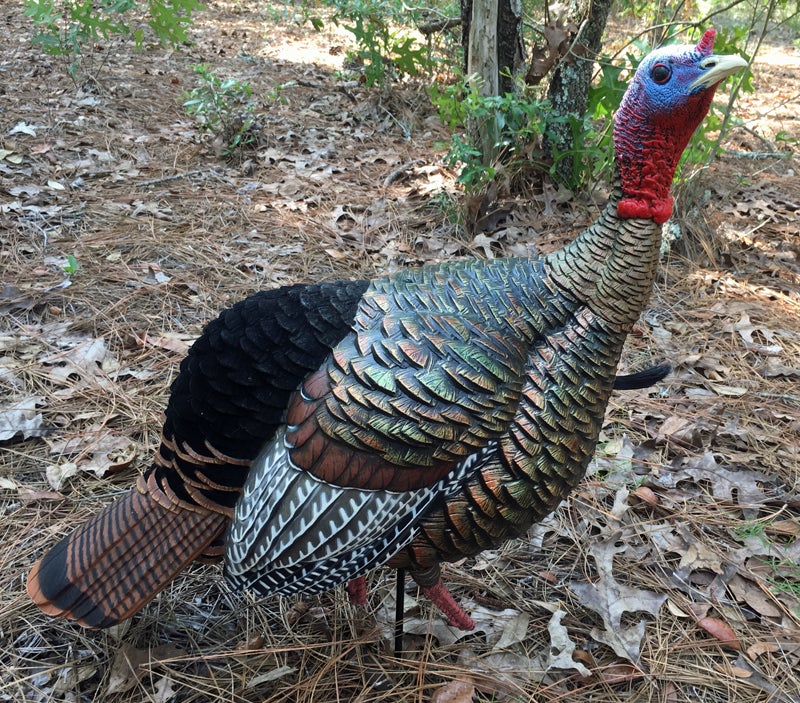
{"points": [[510, 49], [482, 63], [466, 23], [482, 57], [569, 86], [493, 50]]}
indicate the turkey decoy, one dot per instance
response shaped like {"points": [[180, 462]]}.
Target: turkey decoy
{"points": [[318, 431]]}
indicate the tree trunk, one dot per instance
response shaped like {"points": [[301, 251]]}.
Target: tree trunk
{"points": [[482, 65], [482, 43], [466, 23], [493, 51], [510, 47], [569, 86]]}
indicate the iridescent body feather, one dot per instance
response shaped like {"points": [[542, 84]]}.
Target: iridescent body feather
{"points": [[465, 405]]}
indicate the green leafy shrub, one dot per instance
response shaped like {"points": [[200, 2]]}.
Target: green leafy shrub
{"points": [[384, 53], [223, 107], [513, 121], [65, 27], [385, 47]]}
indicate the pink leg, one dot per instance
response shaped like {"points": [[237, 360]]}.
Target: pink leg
{"points": [[357, 590], [443, 599]]}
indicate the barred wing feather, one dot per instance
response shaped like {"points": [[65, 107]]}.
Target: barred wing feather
{"points": [[293, 532]]}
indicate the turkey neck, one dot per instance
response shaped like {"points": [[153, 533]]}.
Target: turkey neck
{"points": [[610, 267]]}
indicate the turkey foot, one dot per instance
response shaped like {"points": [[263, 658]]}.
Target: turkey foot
{"points": [[430, 581], [357, 591]]}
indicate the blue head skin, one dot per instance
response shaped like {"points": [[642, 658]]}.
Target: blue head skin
{"points": [[667, 99]]}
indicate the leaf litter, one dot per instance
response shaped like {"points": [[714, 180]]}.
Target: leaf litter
{"points": [[670, 575], [611, 600]]}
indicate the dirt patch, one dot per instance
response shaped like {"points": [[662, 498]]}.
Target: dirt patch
{"points": [[691, 511]]}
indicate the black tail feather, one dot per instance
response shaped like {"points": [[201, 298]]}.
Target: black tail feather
{"points": [[642, 379]]}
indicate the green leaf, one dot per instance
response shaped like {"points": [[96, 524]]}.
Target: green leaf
{"points": [[72, 265]]}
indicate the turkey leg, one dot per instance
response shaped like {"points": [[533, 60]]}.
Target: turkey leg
{"points": [[430, 581]]}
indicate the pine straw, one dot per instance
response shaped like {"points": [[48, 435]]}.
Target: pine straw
{"points": [[161, 256]]}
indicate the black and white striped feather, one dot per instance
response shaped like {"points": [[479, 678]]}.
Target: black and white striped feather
{"points": [[295, 533]]}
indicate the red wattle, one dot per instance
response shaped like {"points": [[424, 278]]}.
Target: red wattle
{"points": [[646, 182], [657, 210]]}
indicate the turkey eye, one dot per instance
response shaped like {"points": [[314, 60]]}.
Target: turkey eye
{"points": [[660, 73]]}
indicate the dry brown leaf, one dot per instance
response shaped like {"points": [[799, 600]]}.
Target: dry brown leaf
{"points": [[89, 358], [562, 647], [772, 368], [271, 675], [730, 391], [454, 692], [647, 495], [611, 599], [746, 670], [747, 329], [170, 342], [22, 417], [255, 642], [515, 630], [29, 495], [698, 555], [491, 622], [159, 211], [164, 691], [12, 298], [57, 474], [8, 484], [676, 610], [758, 648], [110, 454], [548, 577], [749, 592], [97, 450], [70, 676], [130, 664], [721, 630], [543, 58], [669, 693], [742, 488], [126, 669], [619, 673], [737, 671], [677, 428], [502, 674], [709, 366], [155, 276], [784, 527]]}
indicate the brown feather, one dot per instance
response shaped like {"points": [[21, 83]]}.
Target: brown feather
{"points": [[113, 565]]}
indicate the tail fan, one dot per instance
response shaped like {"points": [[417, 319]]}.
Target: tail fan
{"points": [[115, 563]]}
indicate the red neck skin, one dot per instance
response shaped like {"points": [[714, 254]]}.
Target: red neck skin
{"points": [[648, 148]]}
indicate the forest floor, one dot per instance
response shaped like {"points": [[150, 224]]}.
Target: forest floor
{"points": [[672, 574]]}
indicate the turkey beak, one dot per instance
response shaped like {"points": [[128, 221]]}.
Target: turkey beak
{"points": [[716, 69]]}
